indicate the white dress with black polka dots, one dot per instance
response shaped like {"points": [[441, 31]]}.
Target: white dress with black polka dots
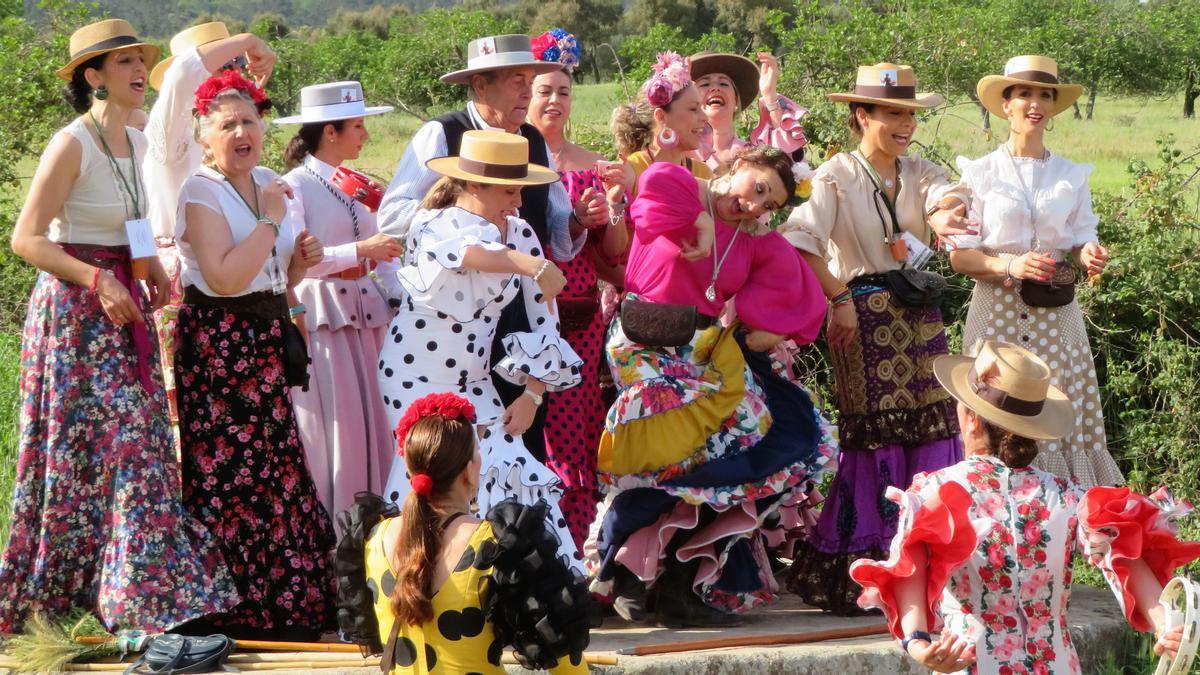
{"points": [[441, 341]]}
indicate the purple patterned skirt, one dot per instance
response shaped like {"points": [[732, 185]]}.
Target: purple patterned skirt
{"points": [[894, 421], [97, 521]]}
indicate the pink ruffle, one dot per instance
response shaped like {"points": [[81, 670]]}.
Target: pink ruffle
{"points": [[941, 524], [1122, 526], [336, 304], [782, 294], [789, 135]]}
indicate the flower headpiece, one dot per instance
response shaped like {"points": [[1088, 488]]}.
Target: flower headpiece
{"points": [[447, 406], [672, 73], [557, 46], [223, 81], [803, 175]]}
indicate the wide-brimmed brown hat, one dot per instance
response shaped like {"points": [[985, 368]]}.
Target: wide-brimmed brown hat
{"points": [[888, 84], [740, 69], [1036, 71], [498, 52], [495, 158], [1009, 386], [184, 40], [103, 37]]}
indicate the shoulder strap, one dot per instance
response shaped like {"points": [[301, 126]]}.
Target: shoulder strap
{"points": [[388, 661], [878, 183]]}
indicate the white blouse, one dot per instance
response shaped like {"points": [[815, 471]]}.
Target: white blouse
{"points": [[174, 152], [98, 205], [1003, 190], [209, 189]]}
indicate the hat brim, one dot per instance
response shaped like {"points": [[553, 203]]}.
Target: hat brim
{"points": [[149, 53], [990, 90], [448, 166], [921, 101], [740, 69], [160, 71], [464, 76], [1055, 421], [368, 112]]}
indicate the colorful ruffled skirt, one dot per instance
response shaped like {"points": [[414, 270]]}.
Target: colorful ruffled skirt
{"points": [[709, 458]]}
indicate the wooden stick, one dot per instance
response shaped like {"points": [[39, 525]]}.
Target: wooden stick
{"points": [[757, 640], [265, 645]]}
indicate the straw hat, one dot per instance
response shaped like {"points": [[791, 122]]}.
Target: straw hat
{"points": [[1037, 71], [184, 40], [1008, 386], [495, 158], [497, 52], [740, 69], [331, 102], [888, 84], [103, 37]]}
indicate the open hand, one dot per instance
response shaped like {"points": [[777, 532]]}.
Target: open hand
{"points": [[953, 221], [949, 654]]}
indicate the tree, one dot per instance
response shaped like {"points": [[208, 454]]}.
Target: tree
{"points": [[592, 21], [693, 18], [1175, 26]]}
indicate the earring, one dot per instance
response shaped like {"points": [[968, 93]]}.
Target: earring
{"points": [[667, 138], [101, 93], [1050, 125]]}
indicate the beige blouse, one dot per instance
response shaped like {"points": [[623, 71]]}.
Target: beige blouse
{"points": [[840, 222]]}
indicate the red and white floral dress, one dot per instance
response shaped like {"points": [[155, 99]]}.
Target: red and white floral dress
{"points": [[1001, 543]]}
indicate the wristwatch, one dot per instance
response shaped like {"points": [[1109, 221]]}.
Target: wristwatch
{"points": [[537, 398], [915, 635]]}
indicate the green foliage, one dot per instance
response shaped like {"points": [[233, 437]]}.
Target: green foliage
{"points": [[640, 51]]}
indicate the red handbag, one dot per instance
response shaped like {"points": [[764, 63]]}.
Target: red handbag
{"points": [[359, 187]]}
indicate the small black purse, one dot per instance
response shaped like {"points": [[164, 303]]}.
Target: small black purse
{"points": [[295, 355], [1059, 291], [173, 654], [915, 288]]}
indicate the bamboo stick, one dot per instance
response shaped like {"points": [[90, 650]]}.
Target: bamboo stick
{"points": [[757, 640]]}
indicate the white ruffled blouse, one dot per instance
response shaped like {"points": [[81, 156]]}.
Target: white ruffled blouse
{"points": [[1003, 188]]}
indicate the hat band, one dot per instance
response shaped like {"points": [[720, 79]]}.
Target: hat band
{"points": [[492, 170], [884, 91], [501, 60], [1002, 399], [1035, 76], [317, 113], [110, 44]]}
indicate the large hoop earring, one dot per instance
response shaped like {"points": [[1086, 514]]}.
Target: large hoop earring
{"points": [[1050, 125], [667, 138]]}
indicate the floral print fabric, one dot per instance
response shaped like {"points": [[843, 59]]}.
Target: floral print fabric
{"points": [[97, 521]]}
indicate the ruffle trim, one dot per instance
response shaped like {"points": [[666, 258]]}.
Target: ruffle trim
{"points": [[355, 604], [547, 358], [337, 303], [941, 524], [537, 604], [915, 426], [1122, 526]]}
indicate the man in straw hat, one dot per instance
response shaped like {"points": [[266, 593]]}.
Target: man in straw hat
{"points": [[499, 80], [986, 545], [174, 153]]}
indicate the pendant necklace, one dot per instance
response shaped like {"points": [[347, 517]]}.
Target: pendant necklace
{"points": [[710, 293]]}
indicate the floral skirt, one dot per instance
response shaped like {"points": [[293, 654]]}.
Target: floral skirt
{"points": [[244, 470], [895, 421], [708, 456], [97, 521]]}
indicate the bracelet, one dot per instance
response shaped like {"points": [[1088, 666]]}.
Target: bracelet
{"points": [[771, 107], [537, 278], [296, 310], [842, 298], [95, 280], [274, 225], [915, 635], [1008, 269]]}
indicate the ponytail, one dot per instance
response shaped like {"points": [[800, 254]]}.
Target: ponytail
{"points": [[305, 142], [444, 193], [440, 449]]}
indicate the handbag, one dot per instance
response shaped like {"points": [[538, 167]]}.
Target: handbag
{"points": [[577, 313], [295, 355], [656, 324], [916, 288], [172, 653], [1059, 291]]}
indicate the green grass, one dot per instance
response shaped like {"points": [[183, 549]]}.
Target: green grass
{"points": [[10, 362]]}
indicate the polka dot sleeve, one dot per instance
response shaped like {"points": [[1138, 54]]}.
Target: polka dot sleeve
{"points": [[433, 273]]}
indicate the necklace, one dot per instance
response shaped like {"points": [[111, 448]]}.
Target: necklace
{"points": [[711, 292], [889, 183]]}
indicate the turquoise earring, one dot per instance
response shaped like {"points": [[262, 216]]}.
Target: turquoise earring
{"points": [[101, 93]]}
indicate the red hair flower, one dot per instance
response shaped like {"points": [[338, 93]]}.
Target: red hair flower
{"points": [[447, 406], [228, 79]]}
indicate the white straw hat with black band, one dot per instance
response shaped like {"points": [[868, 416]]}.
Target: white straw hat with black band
{"points": [[494, 158], [1031, 70], [331, 102], [497, 52], [889, 84]]}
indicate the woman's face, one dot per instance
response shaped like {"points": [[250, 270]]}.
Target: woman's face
{"points": [[123, 73], [550, 107], [496, 202], [1029, 108], [753, 191], [235, 136], [685, 117], [719, 99], [346, 144], [888, 129]]}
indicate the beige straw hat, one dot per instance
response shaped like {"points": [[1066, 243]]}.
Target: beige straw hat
{"points": [[184, 40], [495, 158], [888, 84], [1037, 71], [1008, 386], [103, 37]]}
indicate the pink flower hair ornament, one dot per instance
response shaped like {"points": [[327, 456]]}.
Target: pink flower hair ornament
{"points": [[671, 74], [446, 405]]}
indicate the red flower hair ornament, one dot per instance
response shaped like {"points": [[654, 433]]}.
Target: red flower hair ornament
{"points": [[223, 81], [447, 406]]}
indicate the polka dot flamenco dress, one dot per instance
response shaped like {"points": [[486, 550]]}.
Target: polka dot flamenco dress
{"points": [[441, 341]]}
